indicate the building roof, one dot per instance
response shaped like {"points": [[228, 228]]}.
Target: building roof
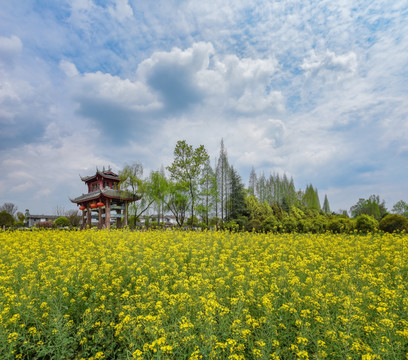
{"points": [[107, 174], [108, 193]]}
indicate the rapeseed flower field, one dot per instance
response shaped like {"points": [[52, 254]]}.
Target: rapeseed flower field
{"points": [[202, 295]]}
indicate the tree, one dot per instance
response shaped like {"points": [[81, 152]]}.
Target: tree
{"points": [[10, 208], [236, 200], [221, 172], [177, 201], [62, 221], [6, 219], [252, 182], [187, 168], [74, 218], [400, 208], [208, 192], [326, 206], [158, 189], [131, 181], [371, 206], [311, 198]]}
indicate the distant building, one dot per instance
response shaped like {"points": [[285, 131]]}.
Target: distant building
{"points": [[104, 204], [32, 220]]}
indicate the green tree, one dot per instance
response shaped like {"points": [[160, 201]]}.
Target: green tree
{"points": [[236, 199], [6, 219], [326, 206], [208, 192], [158, 189], [177, 201], [372, 206], [9, 208], [252, 182], [222, 175], [131, 181], [62, 221], [187, 168], [400, 208], [311, 198]]}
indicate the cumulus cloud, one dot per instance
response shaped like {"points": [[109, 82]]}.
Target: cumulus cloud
{"points": [[173, 74], [330, 65], [175, 82]]}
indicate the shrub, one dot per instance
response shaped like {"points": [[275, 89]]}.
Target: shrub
{"points": [[340, 224], [62, 221], [334, 226], [393, 223], [366, 223], [253, 225], [289, 224], [270, 224], [318, 224], [45, 225]]}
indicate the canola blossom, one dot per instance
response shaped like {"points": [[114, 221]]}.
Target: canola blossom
{"points": [[121, 294]]}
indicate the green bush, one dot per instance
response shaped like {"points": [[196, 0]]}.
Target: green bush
{"points": [[393, 223], [270, 224], [289, 224], [340, 224], [62, 221], [318, 224], [366, 223], [334, 226], [253, 225]]}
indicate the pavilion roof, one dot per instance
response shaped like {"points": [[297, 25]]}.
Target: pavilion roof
{"points": [[108, 193], [107, 174]]}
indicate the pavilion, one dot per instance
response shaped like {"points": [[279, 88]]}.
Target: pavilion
{"points": [[104, 202]]}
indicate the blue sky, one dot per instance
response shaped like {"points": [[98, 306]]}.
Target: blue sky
{"points": [[315, 89]]}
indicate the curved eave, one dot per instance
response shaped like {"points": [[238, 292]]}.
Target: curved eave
{"points": [[107, 193], [110, 176]]}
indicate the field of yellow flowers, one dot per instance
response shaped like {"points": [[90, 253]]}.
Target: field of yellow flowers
{"points": [[202, 295]]}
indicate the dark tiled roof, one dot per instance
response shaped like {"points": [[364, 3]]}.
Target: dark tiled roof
{"points": [[105, 174], [109, 193]]}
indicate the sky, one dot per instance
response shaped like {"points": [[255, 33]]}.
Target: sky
{"points": [[314, 89]]}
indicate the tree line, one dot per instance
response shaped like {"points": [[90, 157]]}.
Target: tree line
{"points": [[200, 195]]}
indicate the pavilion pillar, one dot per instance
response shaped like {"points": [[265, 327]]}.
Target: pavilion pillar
{"points": [[100, 218], [125, 216], [88, 216], [83, 219], [107, 214], [118, 220]]}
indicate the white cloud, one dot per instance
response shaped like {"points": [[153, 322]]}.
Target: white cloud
{"points": [[68, 68], [329, 65], [10, 49], [129, 94], [121, 10]]}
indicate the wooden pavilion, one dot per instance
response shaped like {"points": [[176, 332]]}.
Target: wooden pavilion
{"points": [[104, 203]]}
